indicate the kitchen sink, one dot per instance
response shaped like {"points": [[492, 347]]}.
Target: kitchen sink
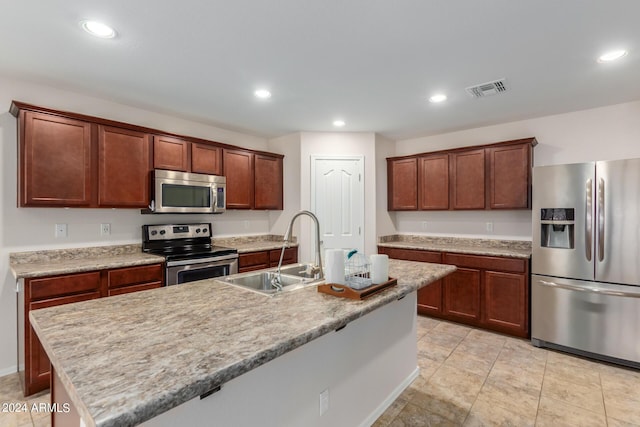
{"points": [[291, 278]]}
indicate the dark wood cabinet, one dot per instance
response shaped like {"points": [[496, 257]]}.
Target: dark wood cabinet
{"points": [[433, 182], [134, 279], [69, 288], [402, 184], [468, 179], [55, 156], [485, 291], [170, 153], [264, 259], [206, 159], [509, 176], [493, 176], [238, 168], [268, 181], [461, 295], [124, 166]]}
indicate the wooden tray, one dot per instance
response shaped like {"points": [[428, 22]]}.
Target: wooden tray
{"points": [[359, 294]]}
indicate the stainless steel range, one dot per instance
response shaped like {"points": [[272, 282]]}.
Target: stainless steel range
{"points": [[188, 251]]}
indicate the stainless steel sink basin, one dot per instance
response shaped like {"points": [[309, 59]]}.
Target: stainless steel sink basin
{"points": [[291, 278], [299, 270]]}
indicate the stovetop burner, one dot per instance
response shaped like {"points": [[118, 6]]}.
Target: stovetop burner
{"points": [[181, 241]]}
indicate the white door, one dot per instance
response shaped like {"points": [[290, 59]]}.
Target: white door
{"points": [[337, 199]]}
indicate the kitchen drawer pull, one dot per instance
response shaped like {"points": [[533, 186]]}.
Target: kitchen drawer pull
{"points": [[589, 290]]}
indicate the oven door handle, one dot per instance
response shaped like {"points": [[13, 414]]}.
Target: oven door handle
{"points": [[199, 261]]}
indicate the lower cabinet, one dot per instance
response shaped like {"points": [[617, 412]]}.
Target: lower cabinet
{"points": [[485, 291], [264, 259], [69, 288]]}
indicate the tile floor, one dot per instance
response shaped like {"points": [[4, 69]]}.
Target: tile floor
{"points": [[470, 377]]}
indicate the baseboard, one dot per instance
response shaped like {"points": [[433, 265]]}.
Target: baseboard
{"points": [[390, 399], [7, 371]]}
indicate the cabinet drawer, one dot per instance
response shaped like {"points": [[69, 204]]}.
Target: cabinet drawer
{"points": [[486, 262], [134, 275], [413, 255], [134, 288], [52, 302], [290, 255], [254, 259], [52, 287]]}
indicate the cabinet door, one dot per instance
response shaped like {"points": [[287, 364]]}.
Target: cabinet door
{"points": [[206, 159], [124, 167], [467, 179], [268, 182], [430, 299], [290, 256], [238, 168], [55, 161], [510, 176], [462, 295], [133, 279], [505, 302], [253, 261], [433, 182], [37, 365], [402, 184], [170, 153]]}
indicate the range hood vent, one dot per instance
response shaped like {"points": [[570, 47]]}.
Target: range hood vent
{"points": [[487, 89]]}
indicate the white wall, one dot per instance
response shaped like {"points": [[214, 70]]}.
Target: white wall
{"points": [[385, 220], [337, 144], [289, 145], [28, 229], [605, 133]]}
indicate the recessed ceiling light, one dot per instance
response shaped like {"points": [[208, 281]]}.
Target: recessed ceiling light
{"points": [[262, 94], [612, 56], [339, 123], [98, 29], [438, 98]]}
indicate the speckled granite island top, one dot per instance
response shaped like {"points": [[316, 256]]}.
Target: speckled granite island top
{"points": [[66, 261], [126, 359], [486, 247]]}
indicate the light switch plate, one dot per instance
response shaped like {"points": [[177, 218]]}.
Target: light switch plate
{"points": [[324, 401], [490, 227]]}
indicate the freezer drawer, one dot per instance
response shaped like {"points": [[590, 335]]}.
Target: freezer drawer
{"points": [[590, 317]]}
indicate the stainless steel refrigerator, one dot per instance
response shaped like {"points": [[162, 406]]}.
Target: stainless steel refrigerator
{"points": [[585, 283]]}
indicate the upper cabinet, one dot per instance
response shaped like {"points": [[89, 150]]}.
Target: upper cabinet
{"points": [[467, 179], [268, 179], [495, 176], [402, 184], [72, 160], [124, 165], [55, 161]]}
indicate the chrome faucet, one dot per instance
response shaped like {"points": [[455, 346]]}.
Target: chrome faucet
{"points": [[317, 267]]}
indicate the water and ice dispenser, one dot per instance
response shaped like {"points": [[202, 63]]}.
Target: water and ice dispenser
{"points": [[557, 226]]}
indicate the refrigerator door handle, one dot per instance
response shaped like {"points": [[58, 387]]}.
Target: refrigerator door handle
{"points": [[589, 290], [601, 220], [588, 222]]}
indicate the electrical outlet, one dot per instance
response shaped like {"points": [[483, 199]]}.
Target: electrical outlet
{"points": [[489, 227], [324, 401], [105, 229], [424, 225], [61, 230]]}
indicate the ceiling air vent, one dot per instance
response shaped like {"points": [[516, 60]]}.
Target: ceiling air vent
{"points": [[487, 89]]}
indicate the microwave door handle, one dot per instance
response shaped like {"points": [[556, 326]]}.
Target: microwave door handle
{"points": [[214, 198], [588, 221]]}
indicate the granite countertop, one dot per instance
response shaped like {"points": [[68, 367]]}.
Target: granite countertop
{"points": [[246, 244], [123, 361], [486, 247], [65, 261]]}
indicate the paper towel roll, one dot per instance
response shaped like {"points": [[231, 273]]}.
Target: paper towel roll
{"points": [[379, 268], [334, 266]]}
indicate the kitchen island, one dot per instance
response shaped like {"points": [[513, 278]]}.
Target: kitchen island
{"points": [[203, 348]]}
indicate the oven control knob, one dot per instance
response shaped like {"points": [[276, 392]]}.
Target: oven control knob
{"points": [[162, 232], [204, 230], [154, 232], [197, 230]]}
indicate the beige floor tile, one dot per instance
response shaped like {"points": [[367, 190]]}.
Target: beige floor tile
{"points": [[487, 337], [10, 388], [522, 347], [452, 328], [426, 323], [521, 358], [428, 367], [432, 351], [573, 373], [612, 422], [581, 395], [524, 376], [470, 363], [484, 413], [570, 359], [392, 411], [621, 398], [517, 399], [15, 419], [553, 413], [414, 416], [441, 339], [479, 349], [445, 405]]}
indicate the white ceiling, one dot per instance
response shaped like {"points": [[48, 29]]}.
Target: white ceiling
{"points": [[372, 63]]}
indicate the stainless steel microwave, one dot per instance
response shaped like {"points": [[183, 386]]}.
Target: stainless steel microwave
{"points": [[182, 192]]}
